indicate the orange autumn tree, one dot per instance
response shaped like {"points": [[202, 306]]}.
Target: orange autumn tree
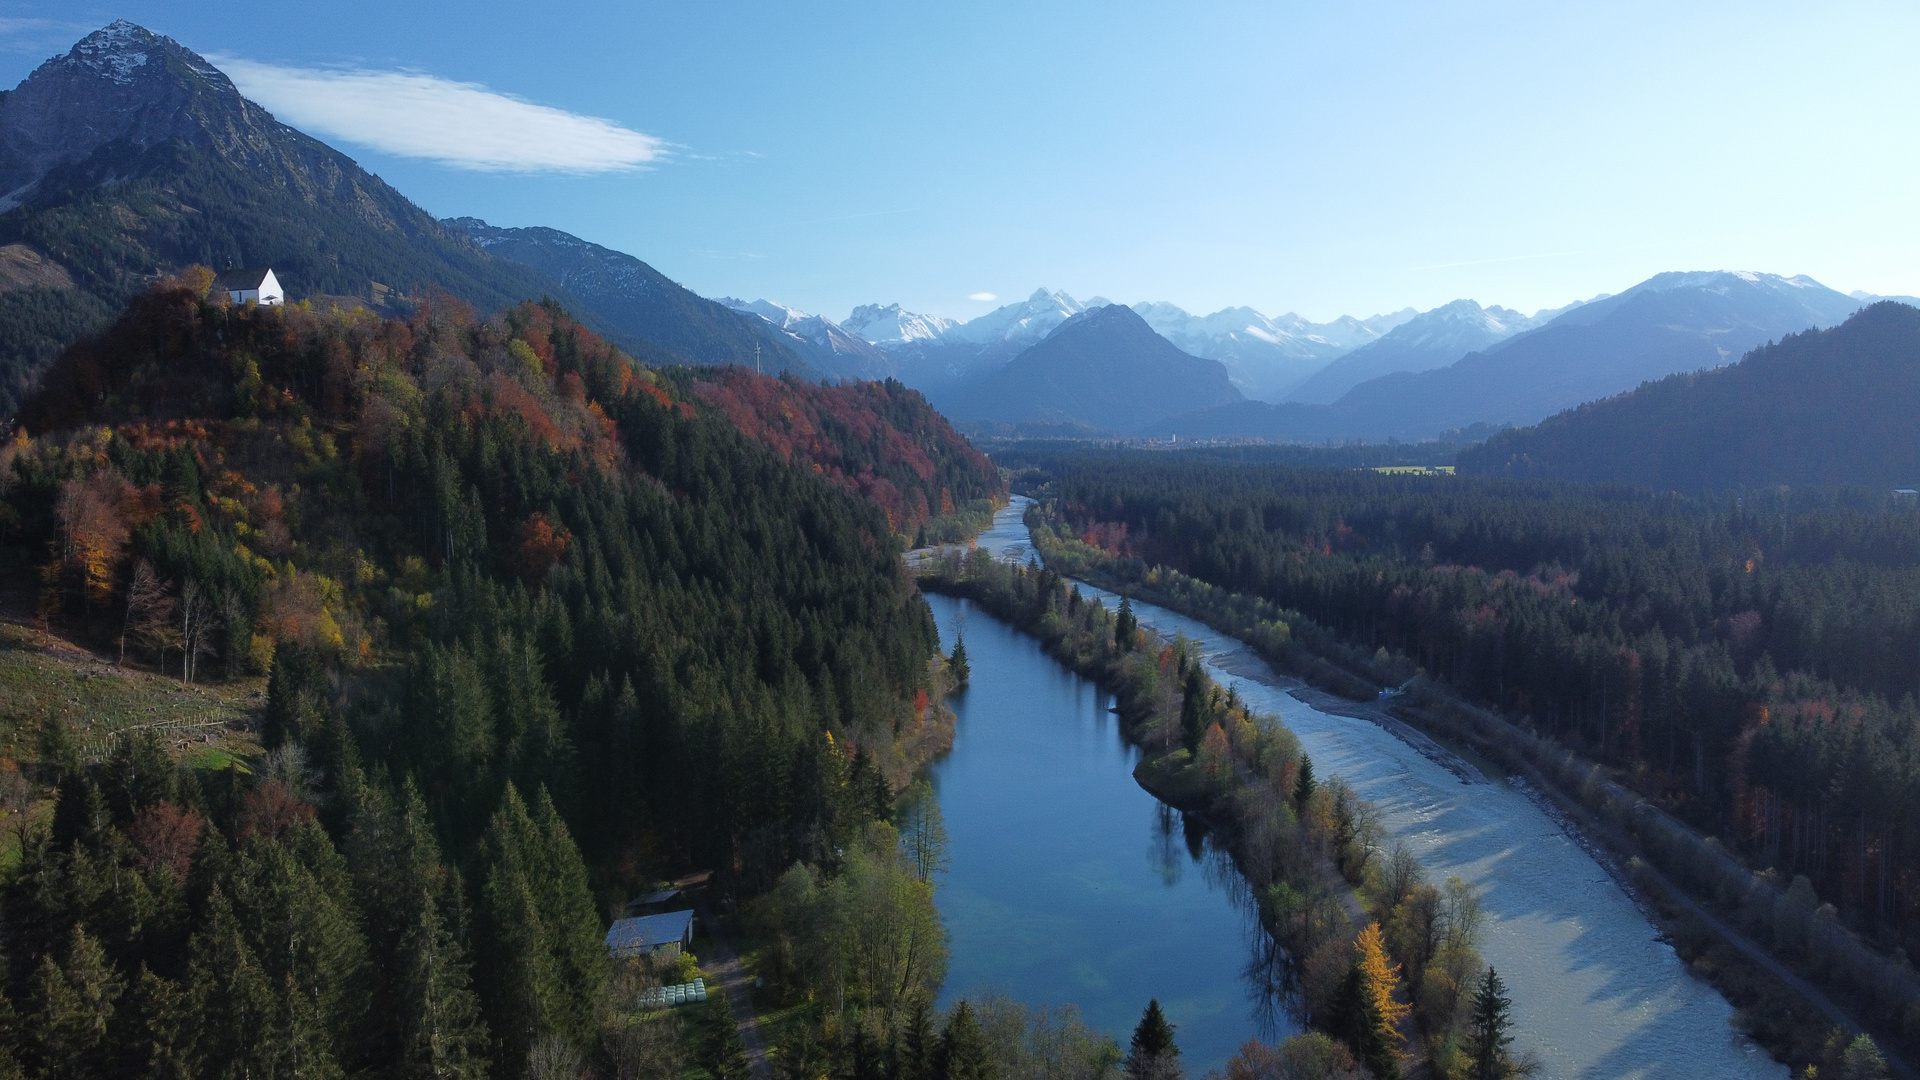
{"points": [[1378, 982]]}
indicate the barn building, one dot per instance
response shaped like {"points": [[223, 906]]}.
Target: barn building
{"points": [[651, 935]]}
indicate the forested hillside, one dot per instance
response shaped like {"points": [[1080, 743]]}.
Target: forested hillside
{"points": [[877, 438], [1835, 406], [131, 156], [1747, 660], [542, 626]]}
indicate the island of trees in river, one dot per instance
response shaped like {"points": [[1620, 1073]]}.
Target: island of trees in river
{"points": [[1743, 663]]}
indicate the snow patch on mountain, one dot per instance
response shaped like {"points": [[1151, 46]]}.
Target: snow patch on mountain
{"points": [[890, 326]]}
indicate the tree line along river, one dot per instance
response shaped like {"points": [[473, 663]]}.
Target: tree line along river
{"points": [[1069, 883]]}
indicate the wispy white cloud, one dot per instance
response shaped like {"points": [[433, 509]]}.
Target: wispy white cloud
{"points": [[460, 124], [983, 297], [22, 34]]}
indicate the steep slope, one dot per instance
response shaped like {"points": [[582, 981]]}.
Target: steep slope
{"points": [[131, 155], [826, 345], [532, 610], [1103, 368], [1834, 406], [1266, 357], [1670, 323], [879, 439], [637, 301], [1429, 340]]}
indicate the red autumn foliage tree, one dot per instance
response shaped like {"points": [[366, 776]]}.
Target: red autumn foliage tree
{"points": [[165, 835], [541, 546], [270, 810]]}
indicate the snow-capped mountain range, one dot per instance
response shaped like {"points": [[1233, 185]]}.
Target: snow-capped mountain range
{"points": [[1429, 340], [824, 343], [890, 327], [1265, 356]]}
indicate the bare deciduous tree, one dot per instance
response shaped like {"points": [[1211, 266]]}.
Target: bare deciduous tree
{"points": [[199, 622], [149, 610]]}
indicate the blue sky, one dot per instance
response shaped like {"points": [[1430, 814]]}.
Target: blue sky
{"points": [[1326, 159]]}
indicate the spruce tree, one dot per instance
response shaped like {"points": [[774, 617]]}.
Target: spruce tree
{"points": [[1489, 1032], [963, 1049], [1153, 1050], [1303, 784], [1124, 625], [725, 1055], [74, 1021], [579, 941], [520, 984], [1357, 1021], [234, 1009], [958, 662], [914, 1049], [442, 1034]]}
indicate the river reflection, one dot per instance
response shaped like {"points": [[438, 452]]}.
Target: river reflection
{"points": [[1071, 884]]}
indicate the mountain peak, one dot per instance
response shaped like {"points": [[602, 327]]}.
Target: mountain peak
{"points": [[121, 83], [891, 326], [1104, 368], [119, 51]]}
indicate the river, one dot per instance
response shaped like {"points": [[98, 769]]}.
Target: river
{"points": [[1071, 884]]}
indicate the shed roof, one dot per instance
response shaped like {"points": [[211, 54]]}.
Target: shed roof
{"points": [[653, 898], [250, 278], [630, 936]]}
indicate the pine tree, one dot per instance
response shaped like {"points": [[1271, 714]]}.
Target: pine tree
{"points": [[963, 1049], [958, 662], [1356, 1020], [74, 1021], [235, 1013], [579, 941], [725, 1055], [443, 1037], [914, 1049], [1153, 1051], [520, 982], [1489, 1034], [1303, 784], [1124, 625]]}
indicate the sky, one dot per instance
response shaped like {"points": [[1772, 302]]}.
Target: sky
{"points": [[1324, 159]]}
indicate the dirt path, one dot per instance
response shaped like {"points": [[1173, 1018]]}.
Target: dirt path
{"points": [[725, 966]]}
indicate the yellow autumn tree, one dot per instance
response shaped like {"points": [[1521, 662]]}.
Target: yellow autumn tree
{"points": [[1378, 981]]}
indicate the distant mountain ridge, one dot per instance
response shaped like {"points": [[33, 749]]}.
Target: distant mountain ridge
{"points": [[1267, 357], [824, 343], [1826, 406], [1104, 370], [1670, 323], [1429, 340], [889, 326]]}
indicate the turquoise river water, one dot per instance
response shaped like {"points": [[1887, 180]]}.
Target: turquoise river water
{"points": [[1071, 884]]}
